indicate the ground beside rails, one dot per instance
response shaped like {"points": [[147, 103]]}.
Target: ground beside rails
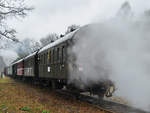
{"points": [[19, 97]]}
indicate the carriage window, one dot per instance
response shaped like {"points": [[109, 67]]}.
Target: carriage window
{"points": [[58, 54], [41, 59], [30, 63], [47, 58], [55, 58], [53, 55], [63, 52], [44, 58], [32, 60], [50, 57]]}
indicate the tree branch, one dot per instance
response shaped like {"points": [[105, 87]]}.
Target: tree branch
{"points": [[9, 34], [11, 8]]}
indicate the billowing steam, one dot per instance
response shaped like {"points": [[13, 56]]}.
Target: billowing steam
{"points": [[8, 56], [118, 50]]}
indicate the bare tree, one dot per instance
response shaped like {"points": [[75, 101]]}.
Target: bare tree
{"points": [[26, 47], [49, 39], [125, 11], [72, 28], [11, 8]]}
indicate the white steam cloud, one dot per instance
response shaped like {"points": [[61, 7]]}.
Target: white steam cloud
{"points": [[8, 56], [118, 50]]}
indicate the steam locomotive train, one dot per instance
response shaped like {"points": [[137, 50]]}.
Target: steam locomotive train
{"points": [[50, 65]]}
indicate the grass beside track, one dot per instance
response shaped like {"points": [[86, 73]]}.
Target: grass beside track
{"points": [[17, 97]]}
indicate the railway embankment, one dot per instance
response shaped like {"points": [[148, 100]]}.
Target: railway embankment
{"points": [[17, 97]]}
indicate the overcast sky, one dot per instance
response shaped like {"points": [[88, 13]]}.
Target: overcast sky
{"points": [[55, 15]]}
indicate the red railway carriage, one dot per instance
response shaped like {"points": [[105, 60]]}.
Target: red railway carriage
{"points": [[20, 67]]}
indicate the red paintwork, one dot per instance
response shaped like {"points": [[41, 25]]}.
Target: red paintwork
{"points": [[20, 68]]}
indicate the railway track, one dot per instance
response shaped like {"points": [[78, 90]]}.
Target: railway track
{"points": [[103, 105]]}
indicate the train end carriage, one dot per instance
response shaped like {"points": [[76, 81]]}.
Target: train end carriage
{"points": [[9, 71], [14, 70], [6, 71], [17, 68]]}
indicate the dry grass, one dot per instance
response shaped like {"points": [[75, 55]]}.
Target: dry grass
{"points": [[16, 97]]}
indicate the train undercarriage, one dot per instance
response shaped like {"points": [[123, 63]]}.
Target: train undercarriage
{"points": [[101, 89]]}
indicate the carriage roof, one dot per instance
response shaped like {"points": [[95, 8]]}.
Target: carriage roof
{"points": [[59, 41], [32, 54]]}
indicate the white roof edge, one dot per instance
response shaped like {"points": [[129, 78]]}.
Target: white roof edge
{"points": [[17, 61], [63, 39], [24, 58], [32, 54]]}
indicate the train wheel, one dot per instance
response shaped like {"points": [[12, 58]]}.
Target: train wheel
{"points": [[101, 95]]}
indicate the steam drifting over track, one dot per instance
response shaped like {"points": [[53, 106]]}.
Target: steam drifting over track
{"points": [[103, 105]]}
